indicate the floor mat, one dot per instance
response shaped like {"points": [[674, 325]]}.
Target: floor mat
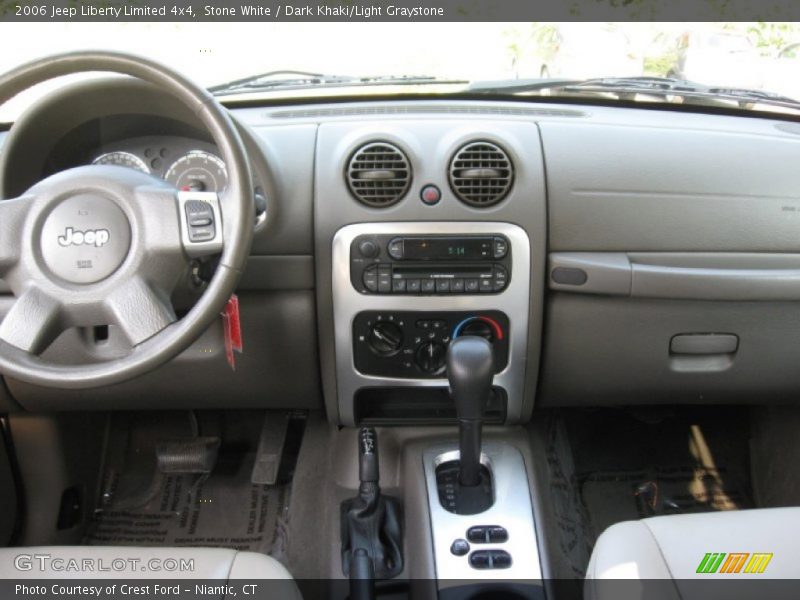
{"points": [[611, 497], [141, 506], [639, 463], [568, 513], [225, 510]]}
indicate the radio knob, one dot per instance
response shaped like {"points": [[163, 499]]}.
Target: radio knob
{"points": [[385, 338], [431, 356], [368, 249]]}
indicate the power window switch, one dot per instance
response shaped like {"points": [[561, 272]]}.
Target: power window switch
{"points": [[481, 559]]}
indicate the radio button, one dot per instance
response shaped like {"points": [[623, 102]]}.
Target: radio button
{"points": [[500, 278], [442, 286], [412, 286], [486, 285], [398, 286], [395, 249], [428, 286], [457, 286], [500, 248], [471, 285], [370, 278], [384, 279]]}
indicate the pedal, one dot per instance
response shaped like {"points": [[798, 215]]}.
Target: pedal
{"points": [[191, 455], [270, 449]]}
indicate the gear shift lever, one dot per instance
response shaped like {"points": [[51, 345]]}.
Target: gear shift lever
{"points": [[470, 370]]}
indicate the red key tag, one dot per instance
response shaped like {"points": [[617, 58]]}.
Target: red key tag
{"points": [[232, 330]]}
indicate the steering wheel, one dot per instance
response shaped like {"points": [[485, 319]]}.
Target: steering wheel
{"points": [[107, 245]]}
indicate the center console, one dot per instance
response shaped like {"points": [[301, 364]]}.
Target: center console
{"points": [[432, 319], [403, 291]]}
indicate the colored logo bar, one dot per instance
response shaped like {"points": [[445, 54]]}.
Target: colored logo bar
{"points": [[734, 562]]}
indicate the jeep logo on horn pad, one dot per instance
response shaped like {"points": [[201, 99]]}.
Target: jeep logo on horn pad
{"points": [[91, 237]]}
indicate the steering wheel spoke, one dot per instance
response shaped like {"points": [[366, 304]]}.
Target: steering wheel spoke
{"points": [[33, 322], [12, 217], [140, 310]]}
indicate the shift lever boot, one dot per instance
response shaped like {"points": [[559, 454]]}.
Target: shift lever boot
{"points": [[372, 521]]}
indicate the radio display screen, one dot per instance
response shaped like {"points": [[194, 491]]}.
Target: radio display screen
{"points": [[447, 248]]}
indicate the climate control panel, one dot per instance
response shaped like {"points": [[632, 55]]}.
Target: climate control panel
{"points": [[413, 344]]}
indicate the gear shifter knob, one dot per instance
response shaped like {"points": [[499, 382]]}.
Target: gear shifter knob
{"points": [[470, 370]]}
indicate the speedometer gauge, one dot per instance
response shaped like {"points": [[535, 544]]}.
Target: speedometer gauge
{"points": [[122, 159], [198, 171]]}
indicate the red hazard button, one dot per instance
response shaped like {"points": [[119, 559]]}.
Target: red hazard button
{"points": [[430, 195]]}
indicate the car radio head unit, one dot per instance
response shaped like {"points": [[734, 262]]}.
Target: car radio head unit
{"points": [[430, 265]]}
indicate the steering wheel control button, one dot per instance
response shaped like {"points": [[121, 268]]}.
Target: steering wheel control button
{"points": [[200, 218], [85, 238], [460, 547], [201, 223], [430, 195]]}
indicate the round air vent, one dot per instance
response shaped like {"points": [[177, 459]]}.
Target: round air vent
{"points": [[481, 174], [378, 174]]}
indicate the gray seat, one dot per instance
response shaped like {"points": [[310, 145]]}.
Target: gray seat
{"points": [[682, 549], [128, 562]]}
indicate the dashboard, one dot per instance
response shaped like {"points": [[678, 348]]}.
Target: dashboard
{"points": [[612, 255]]}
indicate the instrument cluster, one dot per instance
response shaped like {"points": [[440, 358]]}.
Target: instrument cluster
{"points": [[187, 164]]}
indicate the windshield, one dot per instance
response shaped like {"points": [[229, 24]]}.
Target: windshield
{"points": [[320, 59]]}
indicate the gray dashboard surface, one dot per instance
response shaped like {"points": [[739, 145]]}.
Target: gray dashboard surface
{"points": [[672, 182], [665, 189]]}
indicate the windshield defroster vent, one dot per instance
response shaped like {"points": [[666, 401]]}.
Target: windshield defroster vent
{"points": [[378, 174], [481, 174]]}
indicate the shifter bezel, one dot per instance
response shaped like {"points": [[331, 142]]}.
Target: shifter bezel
{"points": [[512, 509]]}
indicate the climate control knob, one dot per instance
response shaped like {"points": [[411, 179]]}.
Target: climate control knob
{"points": [[385, 338], [431, 356], [478, 328]]}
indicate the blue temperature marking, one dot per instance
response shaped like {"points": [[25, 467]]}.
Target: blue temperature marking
{"points": [[460, 326]]}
